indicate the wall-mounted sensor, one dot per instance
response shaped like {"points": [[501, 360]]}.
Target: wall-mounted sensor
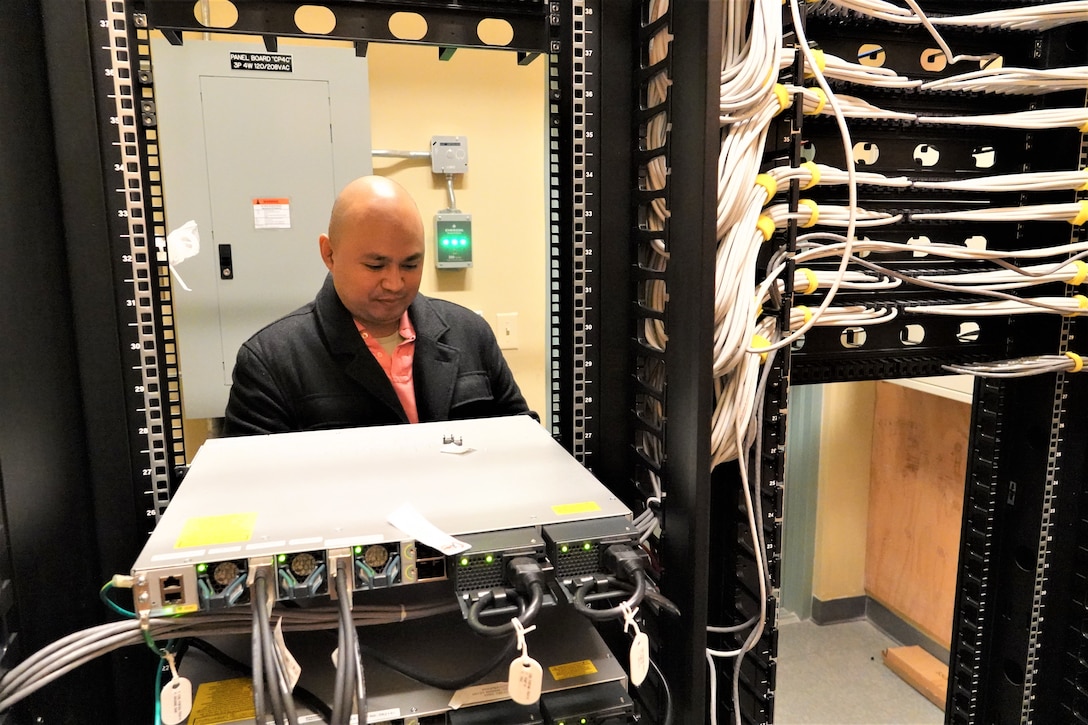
{"points": [[453, 240]]}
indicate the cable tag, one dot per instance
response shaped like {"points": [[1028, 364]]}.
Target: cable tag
{"points": [[176, 699], [291, 668], [526, 675], [640, 646]]}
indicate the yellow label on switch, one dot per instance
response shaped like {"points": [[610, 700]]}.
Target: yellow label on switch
{"points": [[576, 508], [209, 530], [572, 669]]}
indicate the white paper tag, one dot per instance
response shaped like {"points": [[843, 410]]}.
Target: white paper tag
{"points": [[525, 680], [292, 669], [176, 700], [640, 658], [410, 521]]}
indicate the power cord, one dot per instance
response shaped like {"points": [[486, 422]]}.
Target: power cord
{"points": [[626, 565], [528, 578]]}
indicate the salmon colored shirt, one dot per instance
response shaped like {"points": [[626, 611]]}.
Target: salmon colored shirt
{"points": [[398, 368]]}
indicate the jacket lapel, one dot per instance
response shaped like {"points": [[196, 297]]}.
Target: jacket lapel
{"points": [[434, 368], [348, 348]]}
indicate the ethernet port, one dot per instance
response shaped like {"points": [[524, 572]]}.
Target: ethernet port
{"points": [[172, 590], [430, 563]]}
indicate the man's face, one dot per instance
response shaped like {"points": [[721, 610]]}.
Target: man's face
{"points": [[376, 267]]}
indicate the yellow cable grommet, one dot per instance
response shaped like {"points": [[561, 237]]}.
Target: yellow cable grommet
{"points": [[821, 101], [783, 97], [1082, 215], [1081, 275], [814, 213], [813, 283], [769, 185], [759, 342], [821, 62], [766, 225], [815, 171]]}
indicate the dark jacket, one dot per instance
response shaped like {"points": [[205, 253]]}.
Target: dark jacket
{"points": [[312, 370]]}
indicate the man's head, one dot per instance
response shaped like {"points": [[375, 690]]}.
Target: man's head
{"points": [[374, 250]]}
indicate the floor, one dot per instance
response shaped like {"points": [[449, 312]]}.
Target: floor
{"points": [[835, 675]]}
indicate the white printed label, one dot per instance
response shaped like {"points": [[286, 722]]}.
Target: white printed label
{"points": [[525, 680], [176, 701], [411, 521]]}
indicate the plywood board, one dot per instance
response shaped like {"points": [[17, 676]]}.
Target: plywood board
{"points": [[920, 670], [919, 460]]}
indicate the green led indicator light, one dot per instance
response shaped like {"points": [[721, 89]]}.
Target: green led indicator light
{"points": [[201, 568], [564, 549], [583, 721], [358, 550], [464, 561], [587, 546], [489, 558], [281, 558]]}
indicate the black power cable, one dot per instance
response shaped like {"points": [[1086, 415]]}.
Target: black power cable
{"points": [[528, 579]]}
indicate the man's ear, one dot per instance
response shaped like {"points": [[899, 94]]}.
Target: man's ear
{"points": [[326, 250]]}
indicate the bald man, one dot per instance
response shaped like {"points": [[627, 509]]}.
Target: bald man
{"points": [[370, 350]]}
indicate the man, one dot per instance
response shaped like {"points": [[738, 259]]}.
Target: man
{"points": [[370, 350]]}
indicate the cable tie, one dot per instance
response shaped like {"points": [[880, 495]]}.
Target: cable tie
{"points": [[1084, 128], [1081, 275], [1085, 187], [821, 62], [821, 101], [1082, 302], [783, 97], [1082, 215], [758, 343], [766, 225], [815, 171], [1078, 361], [805, 309], [814, 212], [769, 185], [813, 283], [521, 631]]}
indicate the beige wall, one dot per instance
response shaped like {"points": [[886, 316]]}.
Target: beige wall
{"points": [[843, 500], [499, 106]]}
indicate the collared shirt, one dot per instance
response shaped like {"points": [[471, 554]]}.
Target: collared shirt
{"points": [[396, 360]]}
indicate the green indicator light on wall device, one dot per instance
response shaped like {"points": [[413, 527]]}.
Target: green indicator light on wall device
{"points": [[358, 550], [464, 561], [587, 546], [202, 568], [281, 558], [489, 558], [564, 549]]}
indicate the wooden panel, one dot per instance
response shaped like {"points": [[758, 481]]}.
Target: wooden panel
{"points": [[920, 670], [915, 506]]}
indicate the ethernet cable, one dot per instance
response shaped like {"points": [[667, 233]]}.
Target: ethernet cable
{"points": [[1076, 213], [76, 649], [1013, 81], [1022, 367], [1043, 118], [843, 70], [1032, 17], [1026, 182]]}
